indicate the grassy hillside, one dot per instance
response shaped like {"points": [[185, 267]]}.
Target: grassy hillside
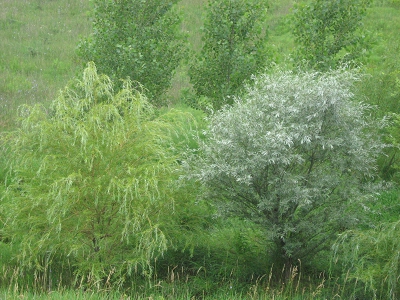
{"points": [[37, 58], [39, 39]]}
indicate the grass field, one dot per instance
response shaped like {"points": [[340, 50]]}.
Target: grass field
{"points": [[38, 50]]}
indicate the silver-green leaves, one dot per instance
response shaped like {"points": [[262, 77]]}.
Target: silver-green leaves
{"points": [[292, 154]]}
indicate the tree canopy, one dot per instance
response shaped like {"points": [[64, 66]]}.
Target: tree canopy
{"points": [[92, 180], [234, 48], [139, 39], [293, 154], [330, 33]]}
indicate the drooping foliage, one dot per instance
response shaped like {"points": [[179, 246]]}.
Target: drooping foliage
{"points": [[234, 48], [372, 257], [329, 33], [393, 138], [139, 39], [91, 183], [294, 154], [390, 164]]}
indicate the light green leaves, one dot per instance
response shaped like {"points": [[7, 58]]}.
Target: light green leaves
{"points": [[93, 177]]}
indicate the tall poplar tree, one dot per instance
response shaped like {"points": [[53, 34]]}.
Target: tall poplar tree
{"points": [[139, 39], [329, 33], [234, 48]]}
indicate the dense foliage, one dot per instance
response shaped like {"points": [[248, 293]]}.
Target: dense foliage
{"points": [[234, 48], [91, 181], [293, 154], [372, 257], [139, 39], [94, 198], [329, 33]]}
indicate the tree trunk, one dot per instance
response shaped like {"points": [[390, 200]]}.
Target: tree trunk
{"points": [[283, 262]]}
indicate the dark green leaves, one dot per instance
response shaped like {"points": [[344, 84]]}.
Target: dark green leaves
{"points": [[139, 39], [234, 49], [329, 33]]}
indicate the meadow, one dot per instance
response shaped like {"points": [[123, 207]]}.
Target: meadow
{"points": [[38, 58], [38, 50]]}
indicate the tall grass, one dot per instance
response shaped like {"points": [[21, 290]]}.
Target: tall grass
{"points": [[180, 284]]}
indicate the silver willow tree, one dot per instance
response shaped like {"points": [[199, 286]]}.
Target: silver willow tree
{"points": [[295, 155]]}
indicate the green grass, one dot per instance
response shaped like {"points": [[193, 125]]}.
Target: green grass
{"points": [[37, 50], [179, 285], [192, 12], [280, 37]]}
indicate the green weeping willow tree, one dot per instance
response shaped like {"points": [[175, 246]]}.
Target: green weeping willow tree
{"points": [[91, 181]]}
